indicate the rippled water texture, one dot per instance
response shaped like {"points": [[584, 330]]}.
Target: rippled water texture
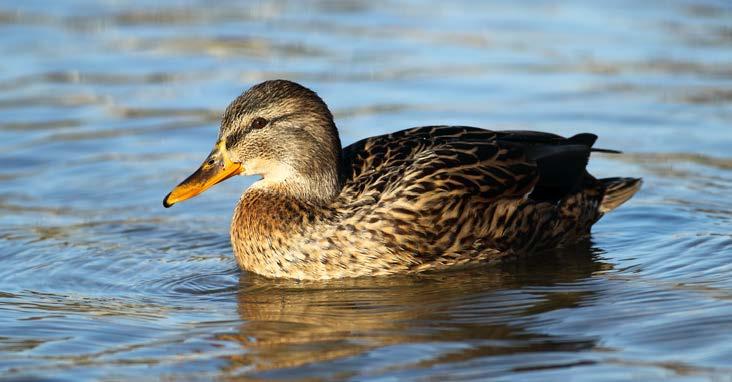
{"points": [[106, 105]]}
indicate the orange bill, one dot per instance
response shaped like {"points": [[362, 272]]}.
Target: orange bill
{"points": [[215, 169]]}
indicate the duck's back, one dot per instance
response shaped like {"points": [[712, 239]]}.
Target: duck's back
{"points": [[453, 194]]}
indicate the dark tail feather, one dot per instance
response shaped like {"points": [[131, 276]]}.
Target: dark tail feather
{"points": [[618, 191]]}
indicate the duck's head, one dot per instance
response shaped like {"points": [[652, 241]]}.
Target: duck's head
{"points": [[279, 130]]}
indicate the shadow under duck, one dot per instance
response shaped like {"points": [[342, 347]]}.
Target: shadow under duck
{"points": [[426, 198]]}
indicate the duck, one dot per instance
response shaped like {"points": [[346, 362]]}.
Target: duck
{"points": [[428, 198]]}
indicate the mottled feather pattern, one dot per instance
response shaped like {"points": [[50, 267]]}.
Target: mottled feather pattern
{"points": [[419, 199]]}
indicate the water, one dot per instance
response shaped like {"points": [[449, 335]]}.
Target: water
{"points": [[104, 106]]}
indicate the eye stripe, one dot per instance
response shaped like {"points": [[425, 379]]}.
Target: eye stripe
{"points": [[257, 123]]}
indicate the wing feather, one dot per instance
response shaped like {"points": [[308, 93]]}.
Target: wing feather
{"points": [[437, 189]]}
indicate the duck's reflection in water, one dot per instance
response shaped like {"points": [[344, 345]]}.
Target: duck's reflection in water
{"points": [[289, 324]]}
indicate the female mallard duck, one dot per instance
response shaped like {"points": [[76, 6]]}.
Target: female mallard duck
{"points": [[419, 199]]}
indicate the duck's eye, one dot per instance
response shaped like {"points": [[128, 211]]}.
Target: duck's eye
{"points": [[259, 123]]}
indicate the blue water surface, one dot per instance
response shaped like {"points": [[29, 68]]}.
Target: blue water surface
{"points": [[105, 105]]}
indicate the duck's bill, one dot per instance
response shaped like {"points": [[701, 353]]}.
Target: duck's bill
{"points": [[215, 169]]}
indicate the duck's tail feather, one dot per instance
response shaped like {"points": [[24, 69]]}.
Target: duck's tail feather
{"points": [[618, 191]]}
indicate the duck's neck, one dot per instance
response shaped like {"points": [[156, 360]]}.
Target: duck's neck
{"points": [[317, 188], [273, 217], [313, 176]]}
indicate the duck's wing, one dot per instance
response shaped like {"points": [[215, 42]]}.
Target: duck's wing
{"points": [[435, 161], [465, 192]]}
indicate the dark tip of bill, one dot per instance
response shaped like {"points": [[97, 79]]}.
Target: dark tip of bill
{"points": [[165, 201]]}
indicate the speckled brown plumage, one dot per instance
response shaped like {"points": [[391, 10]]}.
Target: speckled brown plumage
{"points": [[420, 199]]}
